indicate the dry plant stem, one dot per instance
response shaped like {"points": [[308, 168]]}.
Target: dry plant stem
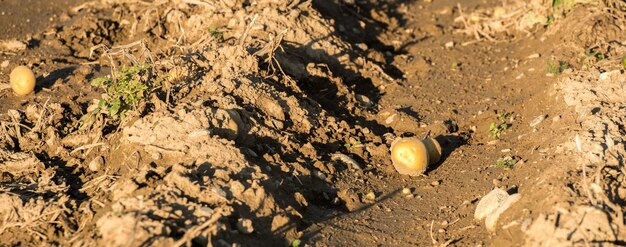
{"points": [[585, 185], [45, 107], [88, 146], [197, 230], [245, 33], [431, 232]]}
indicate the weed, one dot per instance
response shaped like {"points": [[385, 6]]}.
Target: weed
{"points": [[495, 130], [624, 62], [296, 243], [597, 55], [504, 115], [215, 33], [355, 144], [124, 92], [550, 20], [556, 67], [506, 163]]}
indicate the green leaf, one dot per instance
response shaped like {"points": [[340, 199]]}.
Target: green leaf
{"points": [[296, 243], [100, 81], [115, 107]]}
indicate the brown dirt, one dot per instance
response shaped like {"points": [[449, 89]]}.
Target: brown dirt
{"points": [[269, 123]]}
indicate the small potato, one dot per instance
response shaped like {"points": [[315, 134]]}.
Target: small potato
{"points": [[22, 80], [409, 156]]}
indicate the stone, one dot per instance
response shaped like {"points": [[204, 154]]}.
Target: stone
{"points": [[245, 226], [489, 203]]}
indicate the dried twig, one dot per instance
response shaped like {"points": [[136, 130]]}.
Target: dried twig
{"points": [[245, 33], [195, 231]]}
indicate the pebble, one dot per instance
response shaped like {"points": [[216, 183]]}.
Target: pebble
{"points": [[204, 211], [390, 119], [449, 44], [435, 183], [406, 191], [4, 64], [489, 203], [492, 219], [156, 156], [245, 226], [370, 196], [537, 120], [96, 164], [534, 55], [492, 205]]}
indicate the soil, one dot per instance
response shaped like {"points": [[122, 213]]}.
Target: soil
{"points": [[270, 123]]}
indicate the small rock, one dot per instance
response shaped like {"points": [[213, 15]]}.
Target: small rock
{"points": [[436, 183], [96, 164], [492, 219], [156, 156], [449, 44], [556, 118], [534, 55], [489, 203], [537, 120], [365, 101], [245, 226], [370, 196], [204, 211], [4, 64], [406, 191], [496, 182], [319, 175], [391, 118]]}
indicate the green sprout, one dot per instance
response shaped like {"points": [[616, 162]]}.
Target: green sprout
{"points": [[506, 163], [124, 92], [556, 67], [495, 130]]}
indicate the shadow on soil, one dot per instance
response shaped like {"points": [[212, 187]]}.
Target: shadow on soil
{"points": [[326, 81]]}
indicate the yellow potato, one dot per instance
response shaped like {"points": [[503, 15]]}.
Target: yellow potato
{"points": [[22, 80], [409, 156], [434, 150]]}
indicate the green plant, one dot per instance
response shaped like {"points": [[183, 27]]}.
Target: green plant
{"points": [[597, 55], [296, 243], [215, 33], [506, 163], [503, 115], [556, 67], [495, 130], [550, 20], [624, 62], [124, 92], [353, 145]]}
